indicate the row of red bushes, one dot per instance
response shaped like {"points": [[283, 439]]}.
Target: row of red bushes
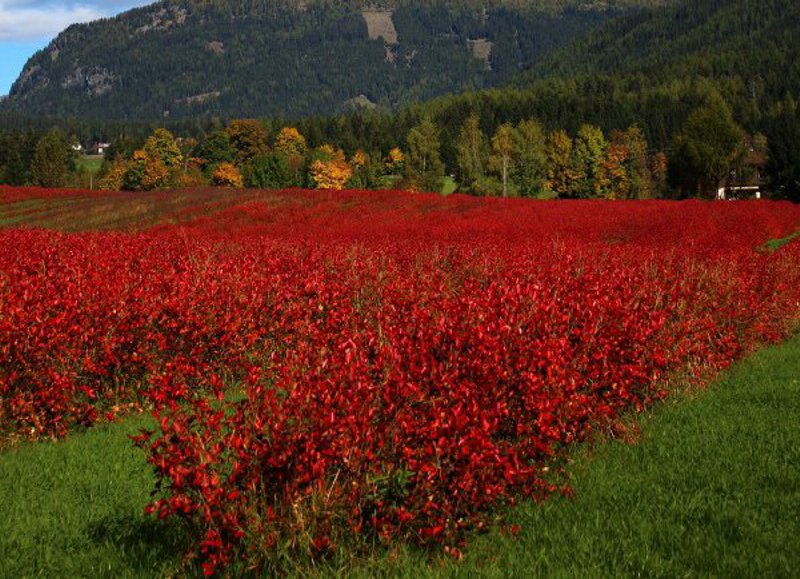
{"points": [[381, 367]]}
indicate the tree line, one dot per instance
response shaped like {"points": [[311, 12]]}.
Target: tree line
{"points": [[525, 158]]}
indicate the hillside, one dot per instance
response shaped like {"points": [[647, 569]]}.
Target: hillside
{"points": [[752, 41], [650, 68], [184, 58]]}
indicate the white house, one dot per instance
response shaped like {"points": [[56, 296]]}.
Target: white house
{"points": [[744, 192]]}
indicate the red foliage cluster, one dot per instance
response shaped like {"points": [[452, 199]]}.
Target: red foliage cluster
{"points": [[382, 365]]}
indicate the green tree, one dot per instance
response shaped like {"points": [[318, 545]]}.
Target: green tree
{"points": [[122, 147], [530, 172], [637, 161], [471, 153], [708, 149], [163, 145], [424, 168], [588, 155], [215, 149], [15, 158], [292, 145], [502, 160], [366, 172], [560, 173], [51, 159], [783, 166], [270, 172]]}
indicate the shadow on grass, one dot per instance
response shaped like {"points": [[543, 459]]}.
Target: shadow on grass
{"points": [[141, 544]]}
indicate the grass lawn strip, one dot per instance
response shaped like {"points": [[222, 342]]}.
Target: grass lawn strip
{"points": [[711, 488]]}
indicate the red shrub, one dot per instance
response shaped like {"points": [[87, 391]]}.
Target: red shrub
{"points": [[326, 366]]}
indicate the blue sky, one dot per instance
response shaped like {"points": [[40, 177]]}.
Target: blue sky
{"points": [[28, 25]]}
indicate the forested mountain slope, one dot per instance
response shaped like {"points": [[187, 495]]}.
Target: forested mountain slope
{"points": [[650, 68], [755, 42], [181, 58]]}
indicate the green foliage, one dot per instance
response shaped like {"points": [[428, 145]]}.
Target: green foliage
{"points": [[783, 165], [270, 172], [503, 156], [16, 152], [51, 160], [637, 162], [472, 154], [747, 48], [367, 172], [215, 149], [123, 147], [162, 145], [424, 168], [530, 172], [648, 68], [257, 58], [709, 147], [561, 177], [587, 158]]}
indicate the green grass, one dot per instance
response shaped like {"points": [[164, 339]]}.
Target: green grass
{"points": [[776, 244], [75, 509], [89, 163], [711, 488], [449, 186]]}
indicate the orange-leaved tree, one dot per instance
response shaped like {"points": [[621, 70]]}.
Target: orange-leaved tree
{"points": [[227, 175], [329, 169], [395, 160]]}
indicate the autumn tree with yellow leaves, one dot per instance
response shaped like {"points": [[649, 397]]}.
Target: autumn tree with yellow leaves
{"points": [[145, 173], [291, 143], [227, 175], [330, 169], [248, 138], [394, 161]]}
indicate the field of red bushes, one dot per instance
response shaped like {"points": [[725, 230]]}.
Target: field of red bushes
{"points": [[329, 369]]}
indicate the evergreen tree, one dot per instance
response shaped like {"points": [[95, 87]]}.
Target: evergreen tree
{"points": [[215, 149], [51, 159], [270, 172], [14, 159], [783, 167], [709, 147]]}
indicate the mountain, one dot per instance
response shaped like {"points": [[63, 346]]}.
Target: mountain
{"points": [[185, 58], [754, 41], [650, 68]]}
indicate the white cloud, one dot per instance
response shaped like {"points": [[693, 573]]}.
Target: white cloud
{"points": [[31, 19]]}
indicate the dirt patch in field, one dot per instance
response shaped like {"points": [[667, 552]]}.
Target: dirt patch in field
{"points": [[481, 49], [380, 25], [216, 47]]}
